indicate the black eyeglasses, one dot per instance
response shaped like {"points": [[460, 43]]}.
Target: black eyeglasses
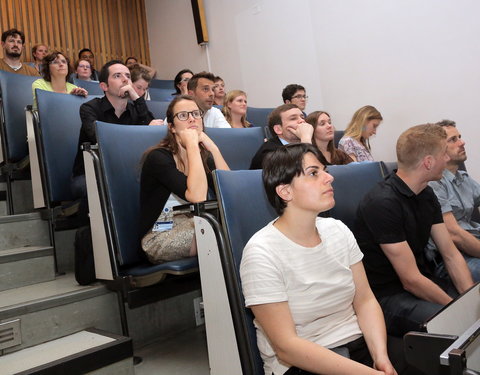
{"points": [[300, 97], [183, 115]]}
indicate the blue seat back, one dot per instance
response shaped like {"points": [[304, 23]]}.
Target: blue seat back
{"points": [[258, 116], [59, 130], [16, 93], [93, 87], [159, 109], [162, 95], [337, 136], [163, 84], [352, 181], [120, 151], [388, 167], [244, 209], [238, 146]]}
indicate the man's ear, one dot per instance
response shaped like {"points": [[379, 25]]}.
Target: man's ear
{"points": [[190, 92], [103, 86], [277, 128], [427, 162], [288, 101], [284, 191]]}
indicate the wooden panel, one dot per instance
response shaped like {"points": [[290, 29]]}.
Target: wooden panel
{"points": [[113, 29]]}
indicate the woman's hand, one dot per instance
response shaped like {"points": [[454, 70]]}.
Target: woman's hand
{"points": [[188, 137], [384, 364], [79, 91], [207, 142]]}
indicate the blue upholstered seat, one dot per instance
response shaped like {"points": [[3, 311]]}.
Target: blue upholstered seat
{"points": [[120, 149], [162, 95], [158, 109], [93, 87], [352, 181], [258, 116], [16, 94], [244, 209], [238, 146], [57, 140], [163, 84]]}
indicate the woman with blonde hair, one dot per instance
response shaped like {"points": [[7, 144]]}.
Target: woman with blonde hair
{"points": [[235, 109], [323, 139], [363, 125]]}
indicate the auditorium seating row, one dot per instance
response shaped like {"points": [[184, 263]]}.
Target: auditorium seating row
{"points": [[113, 191]]}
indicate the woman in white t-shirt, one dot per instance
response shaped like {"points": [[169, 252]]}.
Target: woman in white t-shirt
{"points": [[303, 278]]}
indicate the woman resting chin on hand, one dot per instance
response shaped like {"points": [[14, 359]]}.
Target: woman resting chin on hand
{"points": [[175, 172]]}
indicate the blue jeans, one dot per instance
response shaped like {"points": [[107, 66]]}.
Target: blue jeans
{"points": [[472, 263], [405, 312]]}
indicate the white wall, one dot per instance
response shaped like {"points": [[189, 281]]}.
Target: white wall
{"points": [[416, 61]]}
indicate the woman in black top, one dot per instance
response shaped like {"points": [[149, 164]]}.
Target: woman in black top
{"points": [[174, 172]]}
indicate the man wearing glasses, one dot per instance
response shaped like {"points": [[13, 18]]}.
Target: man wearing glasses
{"points": [[12, 44], [201, 86], [295, 94]]}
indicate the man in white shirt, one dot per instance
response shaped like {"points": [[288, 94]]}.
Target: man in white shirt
{"points": [[201, 87]]}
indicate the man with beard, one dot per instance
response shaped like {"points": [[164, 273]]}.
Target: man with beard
{"points": [[12, 44], [459, 197]]}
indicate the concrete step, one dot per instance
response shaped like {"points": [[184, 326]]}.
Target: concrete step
{"points": [[89, 351], [23, 230], [22, 197], [57, 308], [26, 266]]}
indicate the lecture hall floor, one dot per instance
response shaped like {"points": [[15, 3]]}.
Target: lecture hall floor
{"points": [[185, 354]]}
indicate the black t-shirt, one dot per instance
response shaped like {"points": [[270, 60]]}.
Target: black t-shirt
{"points": [[100, 109], [160, 177], [392, 213]]}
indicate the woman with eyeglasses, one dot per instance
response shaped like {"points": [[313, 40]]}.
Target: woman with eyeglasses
{"points": [[355, 142], [55, 70], [181, 81], [174, 172], [235, 109], [323, 135], [82, 70]]}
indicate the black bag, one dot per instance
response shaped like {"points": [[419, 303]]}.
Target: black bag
{"points": [[84, 262]]}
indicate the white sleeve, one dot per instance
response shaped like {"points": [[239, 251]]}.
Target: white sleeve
{"points": [[219, 119], [262, 280]]}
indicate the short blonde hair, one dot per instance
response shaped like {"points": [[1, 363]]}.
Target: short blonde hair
{"points": [[359, 120], [417, 142]]}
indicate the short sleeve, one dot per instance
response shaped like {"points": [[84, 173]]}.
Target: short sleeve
{"points": [[441, 192], [262, 280]]}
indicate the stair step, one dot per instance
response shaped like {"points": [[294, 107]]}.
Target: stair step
{"points": [[25, 266], [23, 230], [57, 308], [86, 351]]}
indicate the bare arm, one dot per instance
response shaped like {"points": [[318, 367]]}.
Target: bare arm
{"points": [[454, 262], [151, 71], [276, 320], [403, 261], [197, 185], [371, 320], [220, 162], [462, 239]]}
